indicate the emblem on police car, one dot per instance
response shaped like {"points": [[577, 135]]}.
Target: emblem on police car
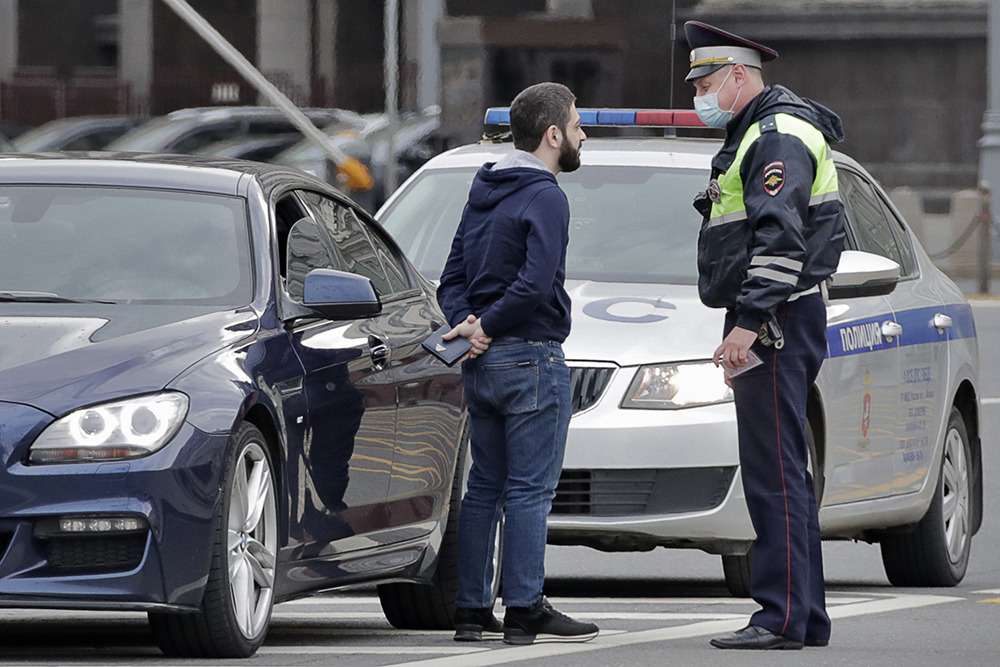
{"points": [[774, 178], [714, 191]]}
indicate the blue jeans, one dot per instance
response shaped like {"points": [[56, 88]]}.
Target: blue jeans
{"points": [[519, 405]]}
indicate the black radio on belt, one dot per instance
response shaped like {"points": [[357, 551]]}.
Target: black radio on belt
{"points": [[770, 334]]}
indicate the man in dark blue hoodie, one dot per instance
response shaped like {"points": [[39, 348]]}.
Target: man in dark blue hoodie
{"points": [[502, 288], [771, 236]]}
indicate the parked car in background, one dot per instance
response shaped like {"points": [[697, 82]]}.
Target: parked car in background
{"points": [[308, 157], [81, 133], [214, 398], [413, 144], [6, 146], [187, 130], [258, 149], [11, 131]]}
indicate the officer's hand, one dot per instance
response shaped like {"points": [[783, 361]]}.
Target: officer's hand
{"points": [[735, 348]]}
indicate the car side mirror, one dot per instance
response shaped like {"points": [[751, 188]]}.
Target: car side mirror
{"points": [[340, 296], [861, 274]]}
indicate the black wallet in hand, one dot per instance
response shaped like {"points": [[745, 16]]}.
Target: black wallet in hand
{"points": [[448, 351]]}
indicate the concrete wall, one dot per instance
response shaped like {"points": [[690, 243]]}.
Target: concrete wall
{"points": [[8, 38]]}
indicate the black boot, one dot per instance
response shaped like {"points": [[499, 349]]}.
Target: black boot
{"points": [[541, 623], [475, 625]]}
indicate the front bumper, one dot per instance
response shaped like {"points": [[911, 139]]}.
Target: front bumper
{"points": [[175, 491], [622, 451]]}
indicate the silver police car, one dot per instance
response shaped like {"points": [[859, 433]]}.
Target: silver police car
{"points": [[652, 453]]}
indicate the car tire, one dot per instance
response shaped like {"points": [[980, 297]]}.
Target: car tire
{"points": [[736, 568], [935, 552], [409, 606], [239, 594]]}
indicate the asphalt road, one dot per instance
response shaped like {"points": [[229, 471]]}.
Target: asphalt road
{"points": [[654, 608]]}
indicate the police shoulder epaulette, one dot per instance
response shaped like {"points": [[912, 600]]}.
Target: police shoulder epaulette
{"points": [[768, 124]]}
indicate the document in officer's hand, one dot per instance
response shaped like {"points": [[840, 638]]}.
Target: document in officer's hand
{"points": [[753, 361], [448, 351]]}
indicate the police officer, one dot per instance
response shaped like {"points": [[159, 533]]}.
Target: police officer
{"points": [[772, 233]]}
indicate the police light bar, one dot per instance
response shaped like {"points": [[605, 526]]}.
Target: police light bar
{"points": [[500, 116]]}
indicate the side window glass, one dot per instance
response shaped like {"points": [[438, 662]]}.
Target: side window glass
{"points": [[903, 241], [306, 252], [868, 218], [82, 143], [396, 272], [205, 136], [355, 252]]}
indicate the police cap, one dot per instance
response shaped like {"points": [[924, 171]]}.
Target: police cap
{"points": [[712, 48]]}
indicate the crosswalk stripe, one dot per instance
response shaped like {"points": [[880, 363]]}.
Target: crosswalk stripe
{"points": [[325, 616], [373, 601], [700, 629]]}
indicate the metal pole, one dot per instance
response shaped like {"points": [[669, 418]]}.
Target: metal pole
{"points": [[989, 154], [984, 251], [391, 66], [357, 176]]}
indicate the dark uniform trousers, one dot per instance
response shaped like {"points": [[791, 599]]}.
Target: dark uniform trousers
{"points": [[787, 564]]}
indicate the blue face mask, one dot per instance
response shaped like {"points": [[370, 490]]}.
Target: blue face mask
{"points": [[708, 109]]}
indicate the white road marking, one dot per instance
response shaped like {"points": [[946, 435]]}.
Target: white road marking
{"points": [[664, 634], [330, 601], [324, 616], [989, 401], [988, 591]]}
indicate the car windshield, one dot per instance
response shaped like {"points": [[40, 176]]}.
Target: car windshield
{"points": [[627, 224], [154, 135], [124, 245]]}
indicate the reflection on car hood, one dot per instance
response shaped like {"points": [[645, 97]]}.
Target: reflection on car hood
{"points": [[59, 358], [632, 323]]}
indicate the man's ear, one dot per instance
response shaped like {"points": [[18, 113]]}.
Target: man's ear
{"points": [[553, 136]]}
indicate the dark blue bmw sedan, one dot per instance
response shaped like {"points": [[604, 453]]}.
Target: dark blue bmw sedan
{"points": [[213, 398]]}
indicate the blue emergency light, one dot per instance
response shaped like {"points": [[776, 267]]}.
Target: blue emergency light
{"points": [[500, 117]]}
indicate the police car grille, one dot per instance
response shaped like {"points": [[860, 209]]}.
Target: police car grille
{"points": [[638, 492], [588, 384]]}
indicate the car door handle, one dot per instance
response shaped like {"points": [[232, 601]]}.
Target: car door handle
{"points": [[942, 321], [892, 329], [379, 351]]}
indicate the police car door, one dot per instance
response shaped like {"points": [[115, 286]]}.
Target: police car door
{"points": [[860, 379], [923, 346]]}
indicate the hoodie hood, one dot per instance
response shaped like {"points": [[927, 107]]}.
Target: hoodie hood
{"points": [[774, 100], [491, 186]]}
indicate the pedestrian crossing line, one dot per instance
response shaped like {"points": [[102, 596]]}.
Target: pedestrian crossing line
{"points": [[325, 616], [700, 629], [373, 601]]}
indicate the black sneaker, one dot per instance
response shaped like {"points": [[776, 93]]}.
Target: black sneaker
{"points": [[475, 625], [541, 623]]}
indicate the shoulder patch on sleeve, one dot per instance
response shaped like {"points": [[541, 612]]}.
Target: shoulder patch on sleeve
{"points": [[773, 176]]}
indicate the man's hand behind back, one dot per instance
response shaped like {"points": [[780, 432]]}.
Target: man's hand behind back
{"points": [[471, 329]]}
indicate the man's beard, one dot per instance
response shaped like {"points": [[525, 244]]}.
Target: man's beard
{"points": [[569, 157]]}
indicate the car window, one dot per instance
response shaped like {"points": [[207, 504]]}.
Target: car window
{"points": [[868, 218], [354, 249], [904, 241], [81, 143], [627, 224], [307, 250], [127, 245], [203, 136], [269, 126], [395, 270]]}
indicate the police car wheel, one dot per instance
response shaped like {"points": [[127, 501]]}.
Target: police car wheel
{"points": [[239, 594], [432, 607], [936, 551], [736, 569]]}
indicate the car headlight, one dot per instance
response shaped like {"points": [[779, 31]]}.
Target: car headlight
{"points": [[675, 386], [120, 430]]}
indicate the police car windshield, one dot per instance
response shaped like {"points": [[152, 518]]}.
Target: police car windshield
{"points": [[627, 224], [125, 245]]}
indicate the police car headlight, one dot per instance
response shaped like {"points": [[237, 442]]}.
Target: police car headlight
{"points": [[120, 430], [676, 386]]}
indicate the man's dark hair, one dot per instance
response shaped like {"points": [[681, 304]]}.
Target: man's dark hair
{"points": [[535, 109]]}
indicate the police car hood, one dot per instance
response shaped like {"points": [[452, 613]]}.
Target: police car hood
{"points": [[633, 323]]}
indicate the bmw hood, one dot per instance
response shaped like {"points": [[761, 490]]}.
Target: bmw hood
{"points": [[632, 324], [58, 358]]}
